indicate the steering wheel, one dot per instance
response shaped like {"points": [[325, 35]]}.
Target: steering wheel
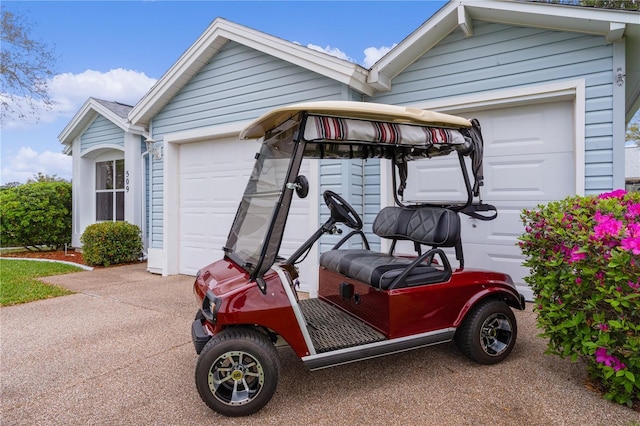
{"points": [[341, 211]]}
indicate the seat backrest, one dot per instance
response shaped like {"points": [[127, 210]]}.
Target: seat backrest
{"points": [[433, 226]]}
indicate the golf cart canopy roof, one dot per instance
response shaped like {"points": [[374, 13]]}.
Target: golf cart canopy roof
{"points": [[360, 121]]}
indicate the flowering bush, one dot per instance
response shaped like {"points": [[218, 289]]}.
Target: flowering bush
{"points": [[584, 255]]}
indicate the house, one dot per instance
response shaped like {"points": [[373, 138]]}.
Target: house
{"points": [[552, 85]]}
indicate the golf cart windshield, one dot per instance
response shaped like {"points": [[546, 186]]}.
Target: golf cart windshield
{"points": [[327, 130], [257, 217]]}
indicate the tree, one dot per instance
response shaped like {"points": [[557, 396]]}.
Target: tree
{"points": [[602, 4], [25, 66], [633, 131], [41, 177]]}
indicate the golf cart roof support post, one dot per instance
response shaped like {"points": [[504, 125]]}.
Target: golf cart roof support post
{"points": [[270, 246]]}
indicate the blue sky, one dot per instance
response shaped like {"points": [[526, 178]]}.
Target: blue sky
{"points": [[115, 50]]}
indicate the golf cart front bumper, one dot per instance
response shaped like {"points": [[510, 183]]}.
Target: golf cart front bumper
{"points": [[199, 334]]}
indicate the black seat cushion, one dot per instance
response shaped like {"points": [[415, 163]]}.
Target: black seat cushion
{"points": [[379, 269], [433, 226]]}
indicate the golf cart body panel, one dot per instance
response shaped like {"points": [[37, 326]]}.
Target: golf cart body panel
{"points": [[369, 303]]}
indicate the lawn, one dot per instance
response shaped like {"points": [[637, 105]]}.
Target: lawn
{"points": [[19, 280]]}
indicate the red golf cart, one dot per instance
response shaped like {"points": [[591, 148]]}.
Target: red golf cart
{"points": [[369, 303]]}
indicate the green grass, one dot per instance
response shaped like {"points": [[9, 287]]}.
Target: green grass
{"points": [[19, 283]]}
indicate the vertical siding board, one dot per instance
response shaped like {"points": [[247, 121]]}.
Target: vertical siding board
{"points": [[237, 85], [500, 57]]}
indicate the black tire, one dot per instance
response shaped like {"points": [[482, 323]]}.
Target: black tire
{"points": [[488, 333], [237, 372]]}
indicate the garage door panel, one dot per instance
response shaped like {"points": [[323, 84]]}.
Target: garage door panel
{"points": [[526, 129], [436, 178], [503, 230], [529, 177]]}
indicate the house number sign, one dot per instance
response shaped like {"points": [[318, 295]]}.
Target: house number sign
{"points": [[126, 181]]}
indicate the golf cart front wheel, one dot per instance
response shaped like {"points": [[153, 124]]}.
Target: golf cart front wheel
{"points": [[237, 372], [488, 333]]}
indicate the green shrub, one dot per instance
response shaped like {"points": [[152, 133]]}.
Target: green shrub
{"points": [[36, 214], [584, 255], [111, 243]]}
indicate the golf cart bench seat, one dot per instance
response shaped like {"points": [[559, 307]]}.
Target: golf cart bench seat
{"points": [[431, 226]]}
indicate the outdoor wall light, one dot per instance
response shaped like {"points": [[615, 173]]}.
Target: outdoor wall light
{"points": [[156, 151], [620, 77]]}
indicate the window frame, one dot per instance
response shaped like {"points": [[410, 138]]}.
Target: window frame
{"points": [[117, 190]]}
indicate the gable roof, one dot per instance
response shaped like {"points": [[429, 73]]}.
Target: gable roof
{"points": [[609, 23], [211, 41], [113, 111]]}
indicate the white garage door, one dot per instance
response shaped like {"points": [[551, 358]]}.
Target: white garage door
{"points": [[528, 160], [213, 176]]}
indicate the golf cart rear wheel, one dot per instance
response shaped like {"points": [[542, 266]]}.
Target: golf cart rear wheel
{"points": [[488, 333], [237, 372]]}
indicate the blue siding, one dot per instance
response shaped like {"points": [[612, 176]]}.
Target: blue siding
{"points": [[500, 57], [101, 131], [347, 178], [237, 85]]}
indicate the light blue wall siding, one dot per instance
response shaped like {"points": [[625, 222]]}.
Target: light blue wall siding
{"points": [[500, 57], [237, 85], [101, 131], [358, 182]]}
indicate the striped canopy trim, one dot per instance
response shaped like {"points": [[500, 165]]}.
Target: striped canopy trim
{"points": [[344, 129]]}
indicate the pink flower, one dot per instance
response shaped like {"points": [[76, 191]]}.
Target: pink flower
{"points": [[578, 280], [631, 244], [577, 255], [618, 193], [603, 327], [633, 210], [635, 285], [607, 226], [633, 230], [602, 357]]}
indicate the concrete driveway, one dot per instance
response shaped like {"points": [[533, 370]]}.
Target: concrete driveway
{"points": [[119, 351]]}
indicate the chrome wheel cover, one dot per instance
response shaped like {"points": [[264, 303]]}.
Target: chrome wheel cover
{"points": [[236, 378], [496, 334]]}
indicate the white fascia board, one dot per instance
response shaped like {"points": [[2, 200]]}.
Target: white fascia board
{"points": [[413, 46], [587, 20], [85, 116], [210, 42], [611, 24], [464, 21]]}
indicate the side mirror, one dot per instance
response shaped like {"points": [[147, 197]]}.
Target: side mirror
{"points": [[301, 185]]}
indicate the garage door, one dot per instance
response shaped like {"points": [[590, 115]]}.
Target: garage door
{"points": [[213, 176], [529, 160]]}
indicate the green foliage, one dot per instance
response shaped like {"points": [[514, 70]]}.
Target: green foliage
{"points": [[584, 255], [36, 214], [19, 284], [111, 243]]}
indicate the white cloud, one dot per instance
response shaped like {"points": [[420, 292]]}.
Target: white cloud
{"points": [[333, 51], [27, 162], [69, 91], [373, 54]]}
